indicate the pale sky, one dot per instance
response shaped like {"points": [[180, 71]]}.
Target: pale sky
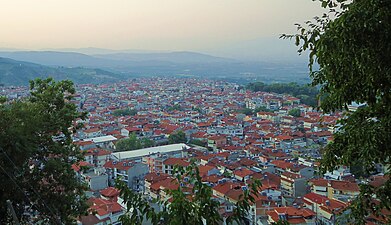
{"points": [[193, 25]]}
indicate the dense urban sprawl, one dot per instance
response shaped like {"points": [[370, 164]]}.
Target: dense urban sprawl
{"points": [[233, 134]]}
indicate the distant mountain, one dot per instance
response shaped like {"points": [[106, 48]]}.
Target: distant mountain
{"points": [[170, 64], [50, 58], [14, 72], [97, 51], [172, 57], [112, 60]]}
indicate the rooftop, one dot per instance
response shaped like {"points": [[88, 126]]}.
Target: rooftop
{"points": [[147, 151]]}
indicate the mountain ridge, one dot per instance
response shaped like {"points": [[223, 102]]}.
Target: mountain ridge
{"points": [[14, 72]]}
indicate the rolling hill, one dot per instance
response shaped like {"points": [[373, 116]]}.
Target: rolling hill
{"points": [[13, 72], [130, 64]]}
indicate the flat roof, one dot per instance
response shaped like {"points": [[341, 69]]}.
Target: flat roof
{"points": [[147, 151], [101, 139]]}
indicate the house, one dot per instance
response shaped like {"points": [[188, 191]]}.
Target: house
{"points": [[130, 130], [284, 141], [292, 215], [128, 171], [223, 188], [85, 145], [95, 178], [335, 189], [157, 189], [342, 190], [91, 133], [327, 210], [97, 156], [217, 141], [206, 170], [106, 141], [170, 163], [110, 193], [152, 178], [243, 174], [293, 184], [102, 212], [225, 130], [154, 162]]}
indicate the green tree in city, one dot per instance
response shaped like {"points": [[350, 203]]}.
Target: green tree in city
{"points": [[146, 143], [133, 143], [125, 112], [262, 109], [35, 167], [306, 93], [177, 137], [127, 144], [294, 112], [281, 222], [191, 203], [198, 142], [246, 111], [351, 44]]}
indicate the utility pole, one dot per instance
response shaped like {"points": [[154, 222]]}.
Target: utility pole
{"points": [[12, 211]]}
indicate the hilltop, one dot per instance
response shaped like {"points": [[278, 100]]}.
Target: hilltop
{"points": [[13, 72]]}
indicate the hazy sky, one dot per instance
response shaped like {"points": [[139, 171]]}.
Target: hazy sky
{"points": [[196, 25]]}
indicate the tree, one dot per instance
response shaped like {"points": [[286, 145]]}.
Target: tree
{"points": [[198, 142], [281, 222], [125, 112], [175, 107], [131, 143], [177, 137], [262, 109], [351, 44], [306, 93], [146, 143], [191, 203], [35, 167], [295, 112], [246, 111]]}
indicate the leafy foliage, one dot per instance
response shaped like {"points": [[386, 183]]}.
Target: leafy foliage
{"points": [[133, 143], [198, 142], [246, 111], [352, 46], [36, 171], [262, 109], [295, 112], [281, 222], [177, 137], [125, 112], [174, 108], [306, 93], [191, 203]]}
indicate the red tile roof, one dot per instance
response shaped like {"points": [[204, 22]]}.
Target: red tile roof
{"points": [[243, 172], [119, 165], [77, 166], [293, 215], [282, 164], [110, 192], [155, 177], [103, 207], [327, 204], [319, 182], [225, 187], [344, 185], [176, 161]]}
